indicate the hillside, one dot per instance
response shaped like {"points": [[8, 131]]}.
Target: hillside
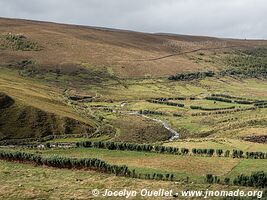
{"points": [[70, 49], [98, 76], [85, 108]]}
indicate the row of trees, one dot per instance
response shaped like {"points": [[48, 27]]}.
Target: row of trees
{"points": [[84, 163], [191, 76], [214, 98], [175, 98], [63, 162], [212, 179], [223, 111], [150, 112], [228, 96], [249, 155], [222, 99], [210, 152], [256, 179], [260, 103], [132, 147], [211, 109], [170, 150], [166, 103], [237, 100]]}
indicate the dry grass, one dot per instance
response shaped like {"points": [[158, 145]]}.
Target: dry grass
{"points": [[63, 44], [21, 181]]}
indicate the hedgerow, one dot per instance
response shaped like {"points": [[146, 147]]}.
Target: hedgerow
{"points": [[84, 163], [211, 109], [188, 76]]}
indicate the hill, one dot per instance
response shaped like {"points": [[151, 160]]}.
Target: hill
{"points": [[71, 49], [79, 105], [102, 77]]}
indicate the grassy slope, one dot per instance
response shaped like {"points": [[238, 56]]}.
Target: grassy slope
{"points": [[22, 181], [36, 101]]}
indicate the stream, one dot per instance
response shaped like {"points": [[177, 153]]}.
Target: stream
{"points": [[175, 134]]}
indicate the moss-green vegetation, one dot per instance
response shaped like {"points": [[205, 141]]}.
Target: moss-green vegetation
{"points": [[191, 76], [249, 63], [18, 42]]}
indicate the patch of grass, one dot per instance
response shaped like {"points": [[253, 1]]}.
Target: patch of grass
{"points": [[18, 42], [137, 129], [24, 181], [246, 166]]}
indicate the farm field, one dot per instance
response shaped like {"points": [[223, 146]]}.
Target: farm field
{"points": [[194, 167]]}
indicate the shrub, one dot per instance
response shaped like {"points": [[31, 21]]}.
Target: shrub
{"points": [[256, 179], [226, 181], [191, 76], [219, 152], [209, 178], [227, 153]]}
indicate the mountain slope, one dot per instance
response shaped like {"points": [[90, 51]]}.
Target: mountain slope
{"points": [[126, 54]]}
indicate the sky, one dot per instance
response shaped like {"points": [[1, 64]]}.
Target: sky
{"points": [[220, 18]]}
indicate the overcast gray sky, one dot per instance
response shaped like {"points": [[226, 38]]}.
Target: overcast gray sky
{"points": [[223, 18]]}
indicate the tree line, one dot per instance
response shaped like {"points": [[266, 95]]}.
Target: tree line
{"points": [[84, 163], [150, 112], [122, 146], [210, 109], [166, 103], [256, 179], [188, 76], [223, 111]]}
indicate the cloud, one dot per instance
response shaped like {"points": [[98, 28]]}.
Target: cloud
{"points": [[222, 18]]}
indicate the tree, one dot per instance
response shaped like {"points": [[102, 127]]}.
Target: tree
{"points": [[226, 181], [219, 152], [209, 178]]}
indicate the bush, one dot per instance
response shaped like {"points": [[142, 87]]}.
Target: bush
{"points": [[191, 76], [219, 152], [226, 181], [227, 153], [209, 178], [237, 154], [256, 179]]}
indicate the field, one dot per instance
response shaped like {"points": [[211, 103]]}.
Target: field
{"points": [[194, 167], [48, 183], [63, 84]]}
